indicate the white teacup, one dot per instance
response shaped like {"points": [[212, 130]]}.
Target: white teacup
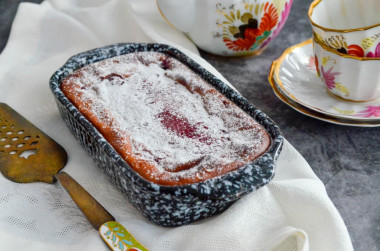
{"points": [[349, 26], [227, 27], [349, 77]]}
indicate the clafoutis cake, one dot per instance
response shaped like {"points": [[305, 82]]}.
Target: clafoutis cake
{"points": [[177, 141]]}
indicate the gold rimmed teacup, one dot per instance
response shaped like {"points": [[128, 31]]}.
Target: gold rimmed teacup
{"points": [[350, 27], [349, 77], [318, 40]]}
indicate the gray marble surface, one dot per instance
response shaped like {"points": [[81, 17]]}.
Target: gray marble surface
{"points": [[346, 159]]}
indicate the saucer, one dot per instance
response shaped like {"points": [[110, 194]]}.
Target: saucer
{"points": [[311, 113], [296, 77]]}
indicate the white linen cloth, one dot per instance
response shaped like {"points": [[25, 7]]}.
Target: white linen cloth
{"points": [[293, 212]]}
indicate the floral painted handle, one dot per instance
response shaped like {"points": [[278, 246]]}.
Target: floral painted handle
{"points": [[118, 238]]}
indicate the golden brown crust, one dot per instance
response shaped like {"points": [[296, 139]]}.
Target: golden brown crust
{"points": [[121, 141]]}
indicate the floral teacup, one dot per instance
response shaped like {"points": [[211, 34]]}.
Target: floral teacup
{"points": [[349, 26], [349, 77], [227, 27]]}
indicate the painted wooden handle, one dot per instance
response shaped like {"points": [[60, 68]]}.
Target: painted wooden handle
{"points": [[118, 238]]}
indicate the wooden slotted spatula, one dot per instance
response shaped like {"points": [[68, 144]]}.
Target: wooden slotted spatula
{"points": [[29, 155]]}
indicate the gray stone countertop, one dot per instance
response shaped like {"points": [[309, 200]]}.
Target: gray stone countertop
{"points": [[346, 159]]}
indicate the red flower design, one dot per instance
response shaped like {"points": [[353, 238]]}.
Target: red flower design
{"points": [[245, 43], [270, 18], [267, 22], [355, 50], [284, 16]]}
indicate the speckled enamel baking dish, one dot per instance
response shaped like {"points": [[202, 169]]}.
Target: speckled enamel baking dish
{"points": [[167, 205]]}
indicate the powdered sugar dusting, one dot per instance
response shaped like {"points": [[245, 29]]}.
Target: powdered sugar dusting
{"points": [[178, 121]]}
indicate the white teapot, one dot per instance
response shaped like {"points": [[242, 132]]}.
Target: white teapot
{"points": [[227, 27]]}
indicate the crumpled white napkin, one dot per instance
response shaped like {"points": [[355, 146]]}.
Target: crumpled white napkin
{"points": [[293, 212]]}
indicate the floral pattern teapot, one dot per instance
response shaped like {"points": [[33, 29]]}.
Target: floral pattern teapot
{"points": [[228, 27]]}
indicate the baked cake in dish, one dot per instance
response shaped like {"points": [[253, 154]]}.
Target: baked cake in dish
{"points": [[169, 125], [166, 205]]}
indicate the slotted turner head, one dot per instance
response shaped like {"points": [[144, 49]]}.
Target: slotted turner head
{"points": [[26, 153]]}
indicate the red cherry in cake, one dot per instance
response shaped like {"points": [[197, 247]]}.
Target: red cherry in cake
{"points": [[182, 127]]}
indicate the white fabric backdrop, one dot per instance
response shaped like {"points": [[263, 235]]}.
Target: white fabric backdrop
{"points": [[293, 212]]}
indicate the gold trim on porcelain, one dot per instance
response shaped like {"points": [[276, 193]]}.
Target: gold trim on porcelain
{"points": [[162, 14], [240, 55], [308, 112], [275, 74], [310, 13], [325, 47], [276, 64], [346, 99]]}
